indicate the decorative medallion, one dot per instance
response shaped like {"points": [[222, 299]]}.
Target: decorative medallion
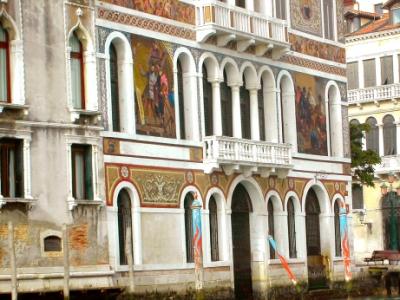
{"points": [[337, 186], [291, 183], [272, 182], [214, 179], [189, 177], [124, 172]]}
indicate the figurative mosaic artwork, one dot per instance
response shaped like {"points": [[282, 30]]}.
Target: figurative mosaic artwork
{"points": [[306, 15], [310, 114], [153, 72], [171, 9]]}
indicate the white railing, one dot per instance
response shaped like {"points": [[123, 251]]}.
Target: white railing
{"points": [[221, 149], [389, 164], [376, 93], [213, 12]]}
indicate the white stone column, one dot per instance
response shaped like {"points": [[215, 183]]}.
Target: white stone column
{"points": [[126, 95], [17, 72], [301, 241], [289, 119], [381, 144], [336, 129], [231, 2], [250, 5], [266, 7], [95, 173], [396, 70], [271, 115], [281, 232], [236, 114], [378, 73], [216, 106], [27, 168], [192, 124], [89, 59], [254, 118], [360, 74], [177, 108]]}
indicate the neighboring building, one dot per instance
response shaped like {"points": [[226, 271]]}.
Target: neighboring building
{"points": [[373, 54], [240, 104]]}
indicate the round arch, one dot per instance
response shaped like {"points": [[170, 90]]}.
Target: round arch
{"points": [[322, 194], [276, 200], [249, 72], [333, 112], [125, 98], [254, 191], [296, 202], [112, 216], [221, 201], [211, 64], [287, 109], [266, 80], [189, 189], [335, 198], [188, 63], [232, 71]]}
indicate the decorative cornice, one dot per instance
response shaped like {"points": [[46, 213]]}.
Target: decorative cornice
{"points": [[372, 35]]}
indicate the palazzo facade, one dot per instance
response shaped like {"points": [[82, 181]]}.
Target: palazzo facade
{"points": [[133, 109]]}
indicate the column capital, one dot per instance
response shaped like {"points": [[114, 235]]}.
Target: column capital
{"points": [[234, 84]]}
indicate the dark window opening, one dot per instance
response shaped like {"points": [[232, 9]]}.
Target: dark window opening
{"points": [[372, 136], [5, 86], [181, 99], [338, 241], [52, 243], [124, 226], [389, 135], [189, 228], [114, 89], [77, 73], [214, 229], [208, 110], [226, 108], [271, 227], [291, 229], [82, 173], [11, 168], [245, 111]]}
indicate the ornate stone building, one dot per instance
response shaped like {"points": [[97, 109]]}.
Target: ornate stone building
{"points": [[135, 108], [373, 58]]}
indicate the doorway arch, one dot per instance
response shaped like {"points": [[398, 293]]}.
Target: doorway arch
{"points": [[240, 220]]}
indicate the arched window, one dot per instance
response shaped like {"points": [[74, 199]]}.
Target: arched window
{"points": [[124, 226], [181, 100], [312, 224], [355, 122], [5, 90], [372, 136], [338, 242], [288, 113], [52, 243], [271, 227], [213, 210], [208, 110], [261, 115], [77, 73], [389, 135], [189, 227], [291, 228], [114, 88], [245, 111], [391, 221], [226, 108]]}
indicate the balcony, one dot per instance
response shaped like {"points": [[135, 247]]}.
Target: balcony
{"points": [[388, 164], [240, 155], [374, 94], [230, 23]]}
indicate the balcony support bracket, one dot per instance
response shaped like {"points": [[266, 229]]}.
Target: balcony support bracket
{"points": [[224, 39], [248, 171], [282, 173], [203, 34], [262, 49], [243, 45], [230, 169], [277, 53]]}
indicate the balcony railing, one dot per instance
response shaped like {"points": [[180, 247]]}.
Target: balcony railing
{"points": [[373, 94], [217, 18], [388, 164], [236, 154]]}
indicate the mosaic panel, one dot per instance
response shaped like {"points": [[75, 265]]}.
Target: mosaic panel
{"points": [[306, 16]]}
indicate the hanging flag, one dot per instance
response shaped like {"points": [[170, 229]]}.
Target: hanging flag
{"points": [[345, 241], [283, 261]]}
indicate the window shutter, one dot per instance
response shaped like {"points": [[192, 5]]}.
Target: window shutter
{"points": [[352, 75], [358, 198], [369, 73], [387, 70]]}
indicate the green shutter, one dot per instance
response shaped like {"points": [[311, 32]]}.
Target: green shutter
{"points": [[88, 174]]}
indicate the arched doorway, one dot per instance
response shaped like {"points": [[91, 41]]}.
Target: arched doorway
{"points": [[124, 225], [390, 221], [315, 262], [241, 207]]}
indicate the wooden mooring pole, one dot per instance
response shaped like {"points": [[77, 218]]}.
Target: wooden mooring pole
{"points": [[128, 251], [13, 263], [66, 262]]}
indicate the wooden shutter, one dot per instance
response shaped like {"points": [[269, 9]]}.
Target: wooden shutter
{"points": [[387, 69], [352, 75], [369, 73]]}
